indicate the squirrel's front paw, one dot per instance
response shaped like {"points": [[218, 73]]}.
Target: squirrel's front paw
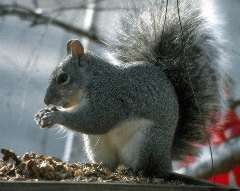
{"points": [[47, 117]]}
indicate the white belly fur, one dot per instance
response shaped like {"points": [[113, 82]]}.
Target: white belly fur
{"points": [[120, 145]]}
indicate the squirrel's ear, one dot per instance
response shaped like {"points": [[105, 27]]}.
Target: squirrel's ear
{"points": [[75, 48]]}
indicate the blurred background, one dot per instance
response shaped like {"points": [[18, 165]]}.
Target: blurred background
{"points": [[33, 35]]}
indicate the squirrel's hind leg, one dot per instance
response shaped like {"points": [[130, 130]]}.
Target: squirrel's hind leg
{"points": [[154, 156], [99, 149]]}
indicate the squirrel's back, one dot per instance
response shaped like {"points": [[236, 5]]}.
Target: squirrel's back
{"points": [[177, 38]]}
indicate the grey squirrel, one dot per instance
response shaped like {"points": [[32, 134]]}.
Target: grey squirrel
{"points": [[152, 108]]}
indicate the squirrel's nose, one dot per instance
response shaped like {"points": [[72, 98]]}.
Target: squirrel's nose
{"points": [[46, 100]]}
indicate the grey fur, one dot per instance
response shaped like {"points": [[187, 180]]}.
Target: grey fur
{"points": [[189, 58], [116, 94], [167, 81]]}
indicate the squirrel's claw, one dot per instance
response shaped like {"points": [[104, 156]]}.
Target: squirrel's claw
{"points": [[45, 118]]}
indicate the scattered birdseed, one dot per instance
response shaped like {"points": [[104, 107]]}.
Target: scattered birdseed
{"points": [[36, 167]]}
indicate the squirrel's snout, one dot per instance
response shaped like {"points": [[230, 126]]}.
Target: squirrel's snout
{"points": [[50, 96], [52, 99], [46, 100]]}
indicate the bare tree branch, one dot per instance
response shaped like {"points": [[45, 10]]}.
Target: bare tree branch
{"points": [[225, 157], [38, 18], [83, 7]]}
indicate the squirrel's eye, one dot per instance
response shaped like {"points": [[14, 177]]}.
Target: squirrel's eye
{"points": [[63, 78]]}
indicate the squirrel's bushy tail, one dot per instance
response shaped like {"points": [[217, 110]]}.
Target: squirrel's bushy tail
{"points": [[179, 40]]}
